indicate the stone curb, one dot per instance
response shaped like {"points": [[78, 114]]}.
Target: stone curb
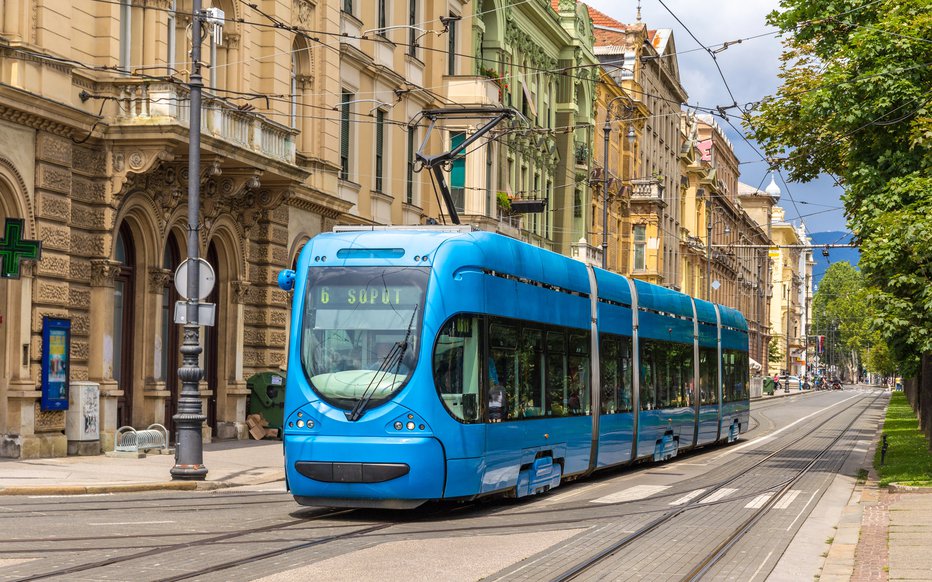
{"points": [[273, 477]]}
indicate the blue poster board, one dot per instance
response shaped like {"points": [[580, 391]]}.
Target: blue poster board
{"points": [[56, 369]]}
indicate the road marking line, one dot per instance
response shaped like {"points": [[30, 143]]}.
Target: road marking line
{"points": [[773, 435], [720, 494], [787, 499], [802, 510], [759, 501], [756, 572], [632, 493], [131, 523], [688, 497]]}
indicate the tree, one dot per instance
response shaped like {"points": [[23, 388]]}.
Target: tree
{"points": [[856, 102]]}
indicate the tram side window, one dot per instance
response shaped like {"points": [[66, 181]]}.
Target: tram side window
{"points": [[680, 364], [666, 374], [530, 353], [708, 376], [728, 376], [615, 363], [578, 374], [556, 374], [735, 372], [456, 367], [503, 343], [647, 391]]}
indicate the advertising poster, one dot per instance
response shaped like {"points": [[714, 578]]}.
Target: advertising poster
{"points": [[56, 344]]}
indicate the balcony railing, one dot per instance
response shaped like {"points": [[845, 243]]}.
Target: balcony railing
{"points": [[156, 103], [647, 191], [472, 90], [583, 251]]}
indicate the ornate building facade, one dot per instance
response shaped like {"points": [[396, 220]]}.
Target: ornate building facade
{"points": [[95, 109]]}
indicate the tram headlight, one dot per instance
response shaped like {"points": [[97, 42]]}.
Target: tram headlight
{"points": [[300, 424], [410, 425], [398, 425], [310, 423]]}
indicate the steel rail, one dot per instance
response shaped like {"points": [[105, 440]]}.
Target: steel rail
{"points": [[669, 515]]}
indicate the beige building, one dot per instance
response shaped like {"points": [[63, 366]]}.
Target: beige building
{"points": [[299, 132], [644, 63], [791, 275]]}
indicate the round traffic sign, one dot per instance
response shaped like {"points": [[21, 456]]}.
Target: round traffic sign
{"points": [[205, 276]]}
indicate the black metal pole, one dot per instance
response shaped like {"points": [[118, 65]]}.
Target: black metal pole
{"points": [[607, 130], [189, 447], [708, 249]]}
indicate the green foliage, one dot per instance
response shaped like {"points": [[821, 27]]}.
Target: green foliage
{"points": [[774, 353], [908, 460], [504, 202], [856, 102]]}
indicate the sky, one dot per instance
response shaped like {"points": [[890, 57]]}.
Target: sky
{"points": [[750, 69]]}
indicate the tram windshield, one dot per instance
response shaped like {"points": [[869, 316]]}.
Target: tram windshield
{"points": [[359, 339]]}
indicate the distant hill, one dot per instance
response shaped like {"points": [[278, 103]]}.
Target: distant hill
{"points": [[851, 255]]}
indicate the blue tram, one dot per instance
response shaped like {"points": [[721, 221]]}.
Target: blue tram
{"points": [[444, 363]]}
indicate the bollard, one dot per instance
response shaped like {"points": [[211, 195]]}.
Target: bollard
{"points": [[883, 449]]}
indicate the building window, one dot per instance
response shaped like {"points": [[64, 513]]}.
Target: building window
{"points": [[409, 171], [640, 246], [126, 31], [412, 32], [170, 39], [346, 97], [458, 172], [348, 6], [451, 46], [382, 16], [294, 87], [379, 147]]}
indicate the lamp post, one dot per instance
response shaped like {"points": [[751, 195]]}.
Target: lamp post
{"points": [[627, 111], [189, 455]]}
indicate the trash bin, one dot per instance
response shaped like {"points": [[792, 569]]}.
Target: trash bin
{"points": [[267, 397], [769, 386]]}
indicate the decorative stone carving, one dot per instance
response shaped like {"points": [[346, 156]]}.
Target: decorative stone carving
{"points": [[303, 10], [124, 161], [240, 291], [49, 420], [104, 272], [159, 278]]}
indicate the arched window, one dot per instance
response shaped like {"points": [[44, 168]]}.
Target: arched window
{"points": [[123, 322]]}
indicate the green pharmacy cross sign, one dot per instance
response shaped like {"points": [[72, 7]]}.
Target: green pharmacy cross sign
{"points": [[14, 250]]}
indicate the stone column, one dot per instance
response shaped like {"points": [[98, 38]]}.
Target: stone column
{"points": [[100, 347]]}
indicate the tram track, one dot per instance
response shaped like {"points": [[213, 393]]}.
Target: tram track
{"points": [[708, 561]]}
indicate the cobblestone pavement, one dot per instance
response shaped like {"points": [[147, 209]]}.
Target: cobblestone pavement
{"points": [[871, 558]]}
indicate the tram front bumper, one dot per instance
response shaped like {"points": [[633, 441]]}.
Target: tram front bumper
{"points": [[364, 471]]}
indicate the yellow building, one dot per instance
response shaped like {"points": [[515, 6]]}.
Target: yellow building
{"points": [[791, 273], [299, 132]]}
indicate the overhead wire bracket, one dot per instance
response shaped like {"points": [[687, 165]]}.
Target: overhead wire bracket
{"points": [[436, 163]]}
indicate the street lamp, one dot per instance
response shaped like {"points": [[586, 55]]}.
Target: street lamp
{"points": [[626, 114]]}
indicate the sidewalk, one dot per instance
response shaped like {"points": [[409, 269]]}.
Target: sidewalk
{"points": [[884, 533], [229, 464]]}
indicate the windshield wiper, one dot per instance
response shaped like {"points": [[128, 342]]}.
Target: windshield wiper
{"points": [[391, 360]]}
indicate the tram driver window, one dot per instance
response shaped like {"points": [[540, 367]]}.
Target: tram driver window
{"points": [[456, 367]]}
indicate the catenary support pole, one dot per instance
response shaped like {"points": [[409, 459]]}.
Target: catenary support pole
{"points": [[189, 448]]}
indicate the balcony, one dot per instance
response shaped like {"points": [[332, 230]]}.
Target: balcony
{"points": [[650, 191], [472, 91], [588, 254], [156, 103]]}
